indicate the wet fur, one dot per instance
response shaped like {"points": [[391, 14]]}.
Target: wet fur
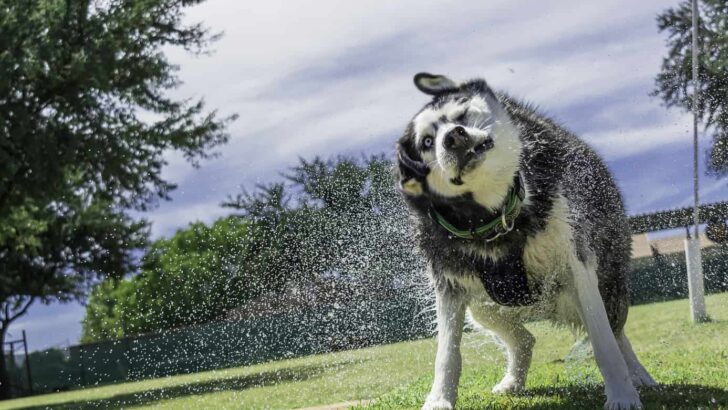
{"points": [[572, 234]]}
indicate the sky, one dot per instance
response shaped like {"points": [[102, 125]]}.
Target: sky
{"points": [[331, 77]]}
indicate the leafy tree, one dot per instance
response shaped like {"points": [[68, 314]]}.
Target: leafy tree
{"points": [[674, 82], [717, 230], [195, 276], [359, 219], [350, 226], [269, 204], [339, 224], [102, 321], [84, 124]]}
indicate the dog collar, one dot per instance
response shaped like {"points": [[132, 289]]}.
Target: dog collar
{"points": [[498, 226]]}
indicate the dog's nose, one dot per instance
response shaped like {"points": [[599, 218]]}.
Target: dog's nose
{"points": [[457, 139]]}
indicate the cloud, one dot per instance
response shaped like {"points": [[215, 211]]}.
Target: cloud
{"points": [[710, 190], [168, 220], [321, 77], [325, 77], [619, 142]]}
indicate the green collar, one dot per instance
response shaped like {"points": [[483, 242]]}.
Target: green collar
{"points": [[498, 226]]}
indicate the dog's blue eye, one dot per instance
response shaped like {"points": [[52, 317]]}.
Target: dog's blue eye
{"points": [[427, 142]]}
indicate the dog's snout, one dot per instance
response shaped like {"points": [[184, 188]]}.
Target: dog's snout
{"points": [[457, 139], [464, 147]]}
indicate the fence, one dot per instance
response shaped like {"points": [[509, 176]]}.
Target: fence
{"points": [[220, 345], [226, 344], [15, 355], [664, 277]]}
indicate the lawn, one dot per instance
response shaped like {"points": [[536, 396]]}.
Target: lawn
{"points": [[691, 363]]}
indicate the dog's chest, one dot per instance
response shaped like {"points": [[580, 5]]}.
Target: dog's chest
{"points": [[505, 279], [520, 275], [546, 253]]}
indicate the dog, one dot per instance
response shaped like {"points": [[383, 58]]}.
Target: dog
{"points": [[519, 220]]}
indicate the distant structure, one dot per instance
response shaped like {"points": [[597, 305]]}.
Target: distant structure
{"points": [[712, 214], [643, 246], [677, 218]]}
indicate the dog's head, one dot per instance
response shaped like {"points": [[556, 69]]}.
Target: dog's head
{"points": [[461, 142]]}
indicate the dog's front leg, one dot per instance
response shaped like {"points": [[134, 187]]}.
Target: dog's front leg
{"points": [[621, 394], [450, 315]]}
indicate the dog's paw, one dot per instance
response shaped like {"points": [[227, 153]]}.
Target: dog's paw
{"points": [[643, 379], [509, 384], [627, 401], [437, 404]]}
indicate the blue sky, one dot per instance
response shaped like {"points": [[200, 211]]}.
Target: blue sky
{"points": [[331, 77]]}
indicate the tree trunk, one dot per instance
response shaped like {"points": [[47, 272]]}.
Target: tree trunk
{"points": [[5, 391], [9, 311]]}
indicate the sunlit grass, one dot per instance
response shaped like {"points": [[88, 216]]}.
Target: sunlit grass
{"points": [[690, 361]]}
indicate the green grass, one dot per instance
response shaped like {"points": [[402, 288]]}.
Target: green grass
{"points": [[691, 363]]}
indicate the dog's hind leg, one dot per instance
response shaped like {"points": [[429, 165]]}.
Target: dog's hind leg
{"points": [[638, 373], [450, 306], [518, 342], [621, 394]]}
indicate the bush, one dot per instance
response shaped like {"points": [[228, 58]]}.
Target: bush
{"points": [[663, 277]]}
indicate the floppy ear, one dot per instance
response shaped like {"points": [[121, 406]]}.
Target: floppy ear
{"points": [[411, 172], [434, 84]]}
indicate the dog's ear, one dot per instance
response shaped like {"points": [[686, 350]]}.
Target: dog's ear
{"points": [[411, 172], [433, 84]]}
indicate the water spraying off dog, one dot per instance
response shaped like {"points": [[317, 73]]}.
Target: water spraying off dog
{"points": [[518, 234]]}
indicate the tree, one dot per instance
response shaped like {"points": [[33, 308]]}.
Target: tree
{"points": [[339, 225], [361, 229], [195, 276], [674, 82], [349, 226], [84, 126], [717, 230], [192, 277]]}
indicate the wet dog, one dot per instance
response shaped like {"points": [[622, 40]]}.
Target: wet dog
{"points": [[519, 220]]}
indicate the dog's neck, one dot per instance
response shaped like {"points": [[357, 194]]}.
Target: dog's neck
{"points": [[464, 212]]}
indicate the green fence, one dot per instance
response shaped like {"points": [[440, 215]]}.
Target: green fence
{"points": [[226, 344], [664, 277]]}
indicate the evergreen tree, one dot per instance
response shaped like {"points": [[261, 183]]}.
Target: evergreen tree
{"points": [[674, 82]]}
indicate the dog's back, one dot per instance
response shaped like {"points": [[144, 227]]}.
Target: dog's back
{"points": [[556, 161]]}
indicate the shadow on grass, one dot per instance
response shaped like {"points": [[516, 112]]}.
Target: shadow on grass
{"points": [[564, 397], [126, 400], [667, 396]]}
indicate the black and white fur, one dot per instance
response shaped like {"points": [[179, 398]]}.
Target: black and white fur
{"points": [[571, 237]]}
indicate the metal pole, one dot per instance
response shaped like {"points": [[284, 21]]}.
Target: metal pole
{"points": [[12, 368], [127, 354], [80, 362], [692, 245], [27, 362], [696, 103]]}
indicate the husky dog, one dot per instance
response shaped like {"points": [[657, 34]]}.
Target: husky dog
{"points": [[519, 220]]}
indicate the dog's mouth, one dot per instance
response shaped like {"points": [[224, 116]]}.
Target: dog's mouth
{"points": [[477, 152], [467, 160]]}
